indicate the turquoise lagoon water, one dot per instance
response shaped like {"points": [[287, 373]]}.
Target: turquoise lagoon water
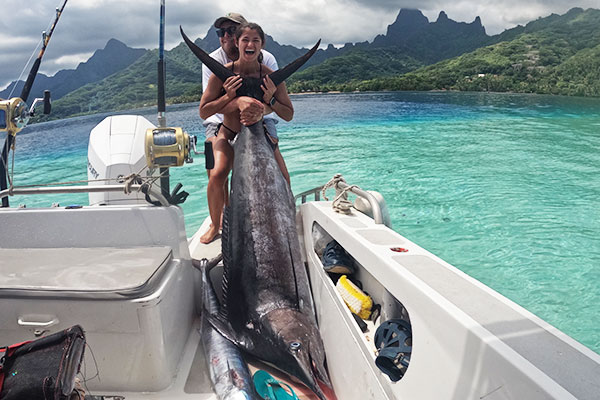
{"points": [[505, 187]]}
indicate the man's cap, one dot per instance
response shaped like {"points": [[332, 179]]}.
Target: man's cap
{"points": [[233, 17]]}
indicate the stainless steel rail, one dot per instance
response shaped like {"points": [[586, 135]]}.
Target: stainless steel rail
{"points": [[373, 202], [80, 189], [316, 191]]}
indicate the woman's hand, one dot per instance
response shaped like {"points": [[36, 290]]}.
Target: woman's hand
{"points": [[251, 110], [268, 88], [231, 85]]}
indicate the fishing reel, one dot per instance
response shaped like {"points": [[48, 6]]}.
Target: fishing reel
{"points": [[14, 114], [169, 147]]}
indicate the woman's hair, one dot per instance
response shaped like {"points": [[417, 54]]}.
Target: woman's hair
{"points": [[255, 27]]}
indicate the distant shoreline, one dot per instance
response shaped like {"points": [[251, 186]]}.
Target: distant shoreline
{"points": [[328, 92], [193, 99]]}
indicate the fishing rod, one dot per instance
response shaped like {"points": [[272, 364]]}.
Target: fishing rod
{"points": [[14, 115], [36, 65], [162, 121], [161, 104], [167, 146]]}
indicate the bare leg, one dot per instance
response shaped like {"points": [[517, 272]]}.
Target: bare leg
{"points": [[225, 188], [217, 177], [225, 198], [282, 166]]}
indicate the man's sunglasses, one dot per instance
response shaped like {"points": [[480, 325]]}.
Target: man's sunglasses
{"points": [[222, 31]]}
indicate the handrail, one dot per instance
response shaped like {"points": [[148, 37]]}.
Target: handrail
{"points": [[83, 189], [316, 191], [340, 185], [375, 207]]}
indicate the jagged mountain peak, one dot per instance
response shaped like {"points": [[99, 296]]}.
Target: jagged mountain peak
{"points": [[406, 21], [113, 50], [114, 43], [432, 41], [443, 18], [406, 14]]}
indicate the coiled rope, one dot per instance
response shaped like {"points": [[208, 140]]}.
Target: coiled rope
{"points": [[340, 203]]}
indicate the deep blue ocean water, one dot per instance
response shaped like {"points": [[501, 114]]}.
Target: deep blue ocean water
{"points": [[503, 186]]}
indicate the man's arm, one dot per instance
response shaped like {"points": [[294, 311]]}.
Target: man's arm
{"points": [[218, 55], [206, 73]]}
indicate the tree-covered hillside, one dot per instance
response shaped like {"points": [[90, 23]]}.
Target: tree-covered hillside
{"points": [[553, 55], [354, 67], [132, 87]]}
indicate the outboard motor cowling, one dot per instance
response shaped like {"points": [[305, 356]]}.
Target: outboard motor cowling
{"points": [[115, 151]]}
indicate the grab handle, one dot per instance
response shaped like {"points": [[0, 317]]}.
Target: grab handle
{"points": [[40, 321]]}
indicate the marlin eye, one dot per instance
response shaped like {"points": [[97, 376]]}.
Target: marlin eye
{"points": [[295, 346]]}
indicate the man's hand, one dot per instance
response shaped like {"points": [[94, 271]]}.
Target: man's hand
{"points": [[251, 110]]}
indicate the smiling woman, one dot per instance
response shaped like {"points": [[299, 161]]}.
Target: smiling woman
{"points": [[221, 94]]}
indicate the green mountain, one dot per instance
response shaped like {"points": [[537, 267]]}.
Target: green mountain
{"points": [[132, 87], [559, 54], [344, 72], [409, 43], [114, 57]]}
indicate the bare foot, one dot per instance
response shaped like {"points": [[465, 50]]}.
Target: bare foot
{"points": [[210, 235]]}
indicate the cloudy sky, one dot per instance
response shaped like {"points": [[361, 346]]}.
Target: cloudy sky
{"points": [[86, 25]]}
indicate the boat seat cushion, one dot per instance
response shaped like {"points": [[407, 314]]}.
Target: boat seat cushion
{"points": [[98, 269]]}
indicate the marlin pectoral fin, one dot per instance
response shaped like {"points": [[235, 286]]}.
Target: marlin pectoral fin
{"points": [[282, 74], [225, 329], [219, 70]]}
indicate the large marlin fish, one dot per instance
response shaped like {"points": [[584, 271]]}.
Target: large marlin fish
{"points": [[267, 299], [228, 371], [267, 307]]}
